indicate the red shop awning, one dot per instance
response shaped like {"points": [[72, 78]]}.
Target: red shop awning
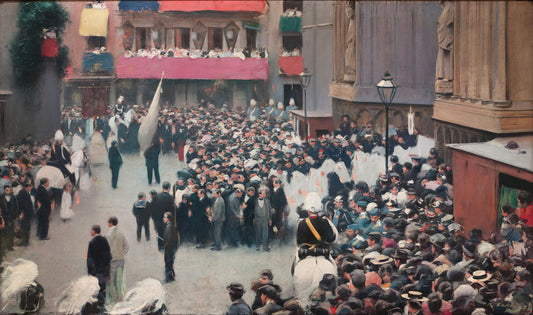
{"points": [[213, 5]]}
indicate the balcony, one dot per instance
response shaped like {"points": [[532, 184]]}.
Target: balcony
{"points": [[291, 65], [227, 68], [101, 63], [256, 6]]}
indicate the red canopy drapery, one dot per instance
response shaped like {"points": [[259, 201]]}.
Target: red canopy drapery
{"points": [[213, 5], [229, 68], [293, 65]]}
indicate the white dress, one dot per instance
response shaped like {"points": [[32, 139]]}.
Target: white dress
{"points": [[66, 206]]}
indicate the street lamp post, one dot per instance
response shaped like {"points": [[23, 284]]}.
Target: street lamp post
{"points": [[386, 90], [305, 79]]}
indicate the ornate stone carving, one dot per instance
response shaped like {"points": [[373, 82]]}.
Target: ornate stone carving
{"points": [[444, 69], [349, 56]]}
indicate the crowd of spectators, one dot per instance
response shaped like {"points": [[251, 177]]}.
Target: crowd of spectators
{"points": [[399, 249]]}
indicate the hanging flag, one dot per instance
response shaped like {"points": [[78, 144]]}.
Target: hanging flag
{"points": [[148, 127]]}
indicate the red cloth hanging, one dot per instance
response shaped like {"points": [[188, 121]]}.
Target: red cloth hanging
{"points": [[49, 47]]}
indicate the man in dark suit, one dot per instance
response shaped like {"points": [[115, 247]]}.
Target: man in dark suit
{"points": [[99, 260], [115, 161], [164, 203], [171, 244], [122, 136], [10, 211], [151, 156], [278, 199], [26, 206], [44, 208], [165, 200]]}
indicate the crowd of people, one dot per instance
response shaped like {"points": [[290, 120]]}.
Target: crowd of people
{"points": [[398, 247], [395, 243], [198, 53]]}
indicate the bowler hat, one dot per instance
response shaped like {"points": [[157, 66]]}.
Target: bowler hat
{"points": [[236, 288]]}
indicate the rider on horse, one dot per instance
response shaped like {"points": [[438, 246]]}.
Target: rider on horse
{"points": [[315, 234], [60, 156]]}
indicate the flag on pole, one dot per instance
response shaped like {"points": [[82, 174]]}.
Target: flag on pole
{"points": [[148, 127]]}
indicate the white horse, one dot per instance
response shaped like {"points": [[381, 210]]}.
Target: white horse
{"points": [[78, 296], [307, 274], [54, 174], [146, 297], [20, 292]]}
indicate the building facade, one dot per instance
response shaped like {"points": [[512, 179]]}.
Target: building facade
{"points": [[483, 84], [372, 37]]}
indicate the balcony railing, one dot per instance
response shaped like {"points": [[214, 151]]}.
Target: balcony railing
{"points": [[291, 65], [257, 6], [290, 24], [101, 63], [229, 68]]}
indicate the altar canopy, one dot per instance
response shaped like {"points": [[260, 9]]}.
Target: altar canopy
{"points": [[213, 5], [186, 68]]}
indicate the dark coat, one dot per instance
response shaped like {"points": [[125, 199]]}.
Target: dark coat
{"points": [[151, 155], [60, 154], [122, 136], [141, 209], [171, 241], [98, 256], [115, 159], [10, 210], [165, 203], [25, 205], [43, 197], [133, 134], [249, 211], [323, 227]]}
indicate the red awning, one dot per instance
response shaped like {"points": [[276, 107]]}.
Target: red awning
{"points": [[228, 68], [213, 5], [293, 65]]}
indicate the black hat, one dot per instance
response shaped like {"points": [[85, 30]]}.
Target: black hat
{"points": [[400, 254], [362, 185], [394, 159], [511, 145], [328, 282], [269, 291], [236, 288]]}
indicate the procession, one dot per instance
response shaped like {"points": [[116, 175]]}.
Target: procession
{"points": [[363, 242], [285, 157]]}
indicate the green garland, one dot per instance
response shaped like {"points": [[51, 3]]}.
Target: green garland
{"points": [[25, 48]]}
